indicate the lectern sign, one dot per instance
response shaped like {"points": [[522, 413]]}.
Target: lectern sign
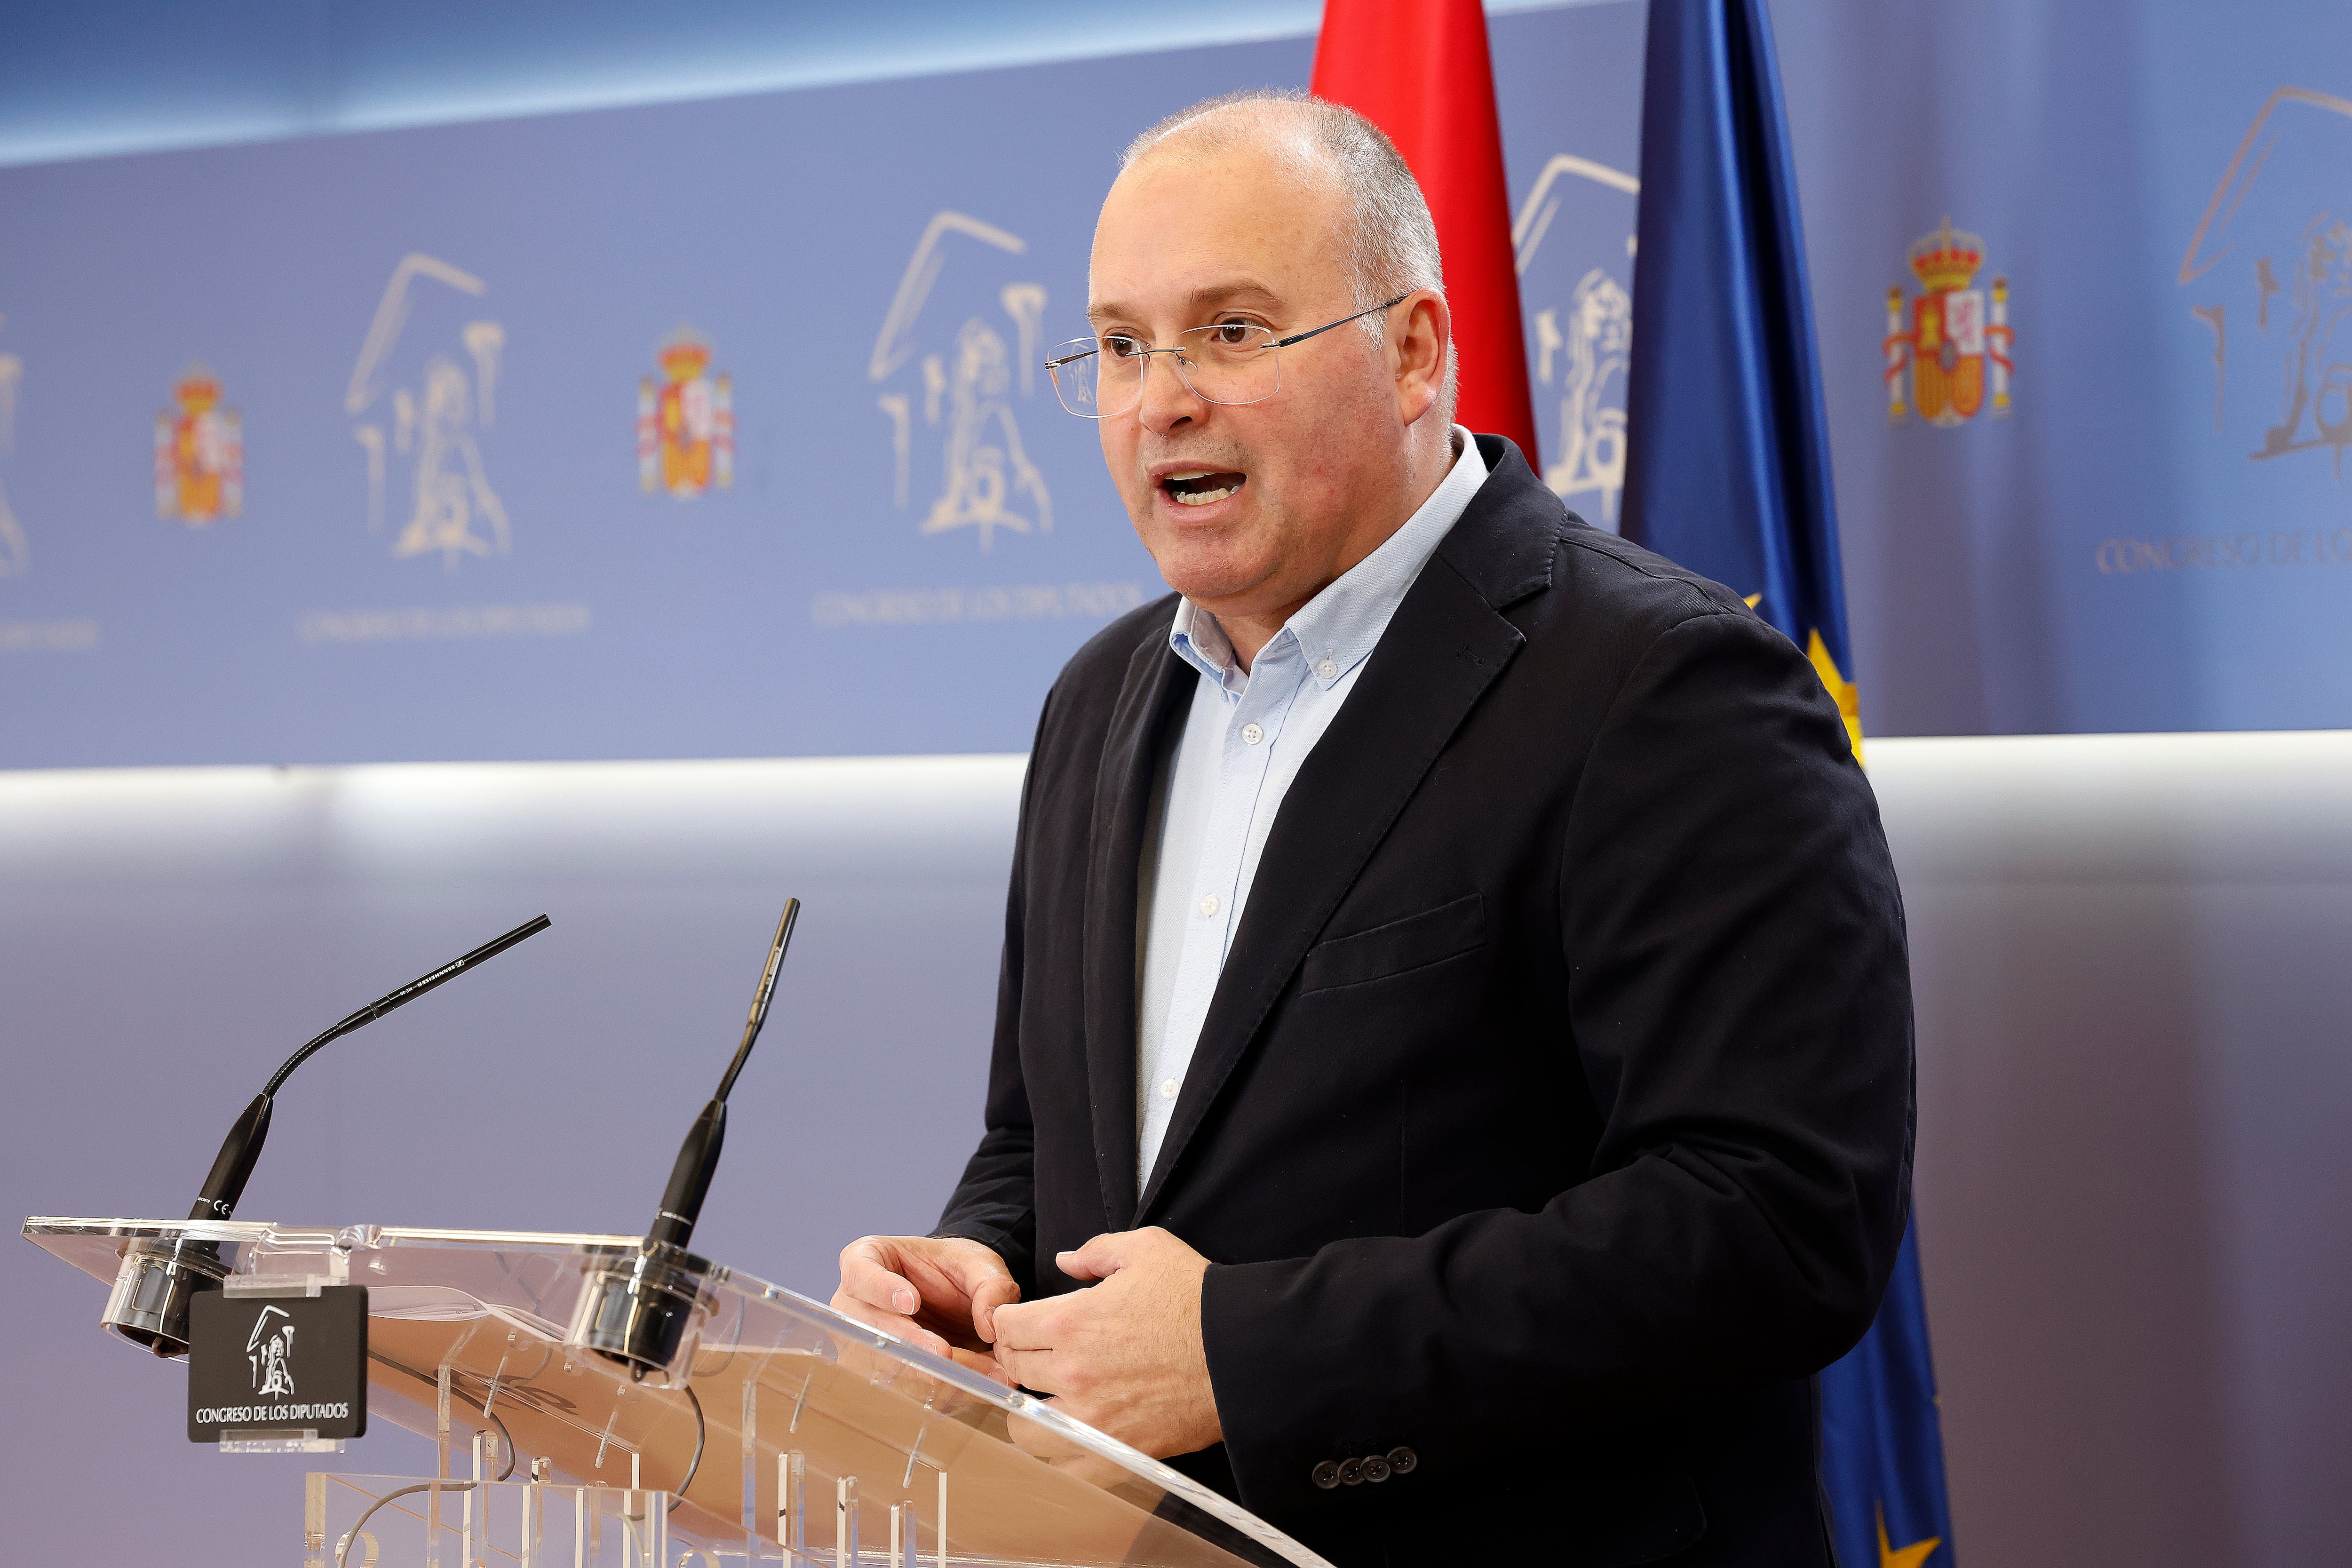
{"points": [[273, 1365]]}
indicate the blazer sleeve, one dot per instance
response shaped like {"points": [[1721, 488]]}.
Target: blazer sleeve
{"points": [[1738, 999], [995, 1202]]}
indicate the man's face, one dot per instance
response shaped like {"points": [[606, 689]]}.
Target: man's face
{"points": [[1309, 476]]}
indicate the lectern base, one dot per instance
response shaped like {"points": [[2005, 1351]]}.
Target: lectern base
{"points": [[406, 1521]]}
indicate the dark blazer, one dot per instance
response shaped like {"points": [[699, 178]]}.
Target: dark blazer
{"points": [[1552, 1117]]}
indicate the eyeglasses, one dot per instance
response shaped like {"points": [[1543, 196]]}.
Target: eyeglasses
{"points": [[1230, 363]]}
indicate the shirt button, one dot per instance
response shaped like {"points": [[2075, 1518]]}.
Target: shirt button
{"points": [[1252, 734], [1167, 1087], [1208, 905], [1327, 1474], [1327, 669]]}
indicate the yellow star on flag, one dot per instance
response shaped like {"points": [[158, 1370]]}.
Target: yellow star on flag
{"points": [[1841, 689], [1910, 1556]]}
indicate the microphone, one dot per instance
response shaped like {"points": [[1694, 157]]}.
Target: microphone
{"points": [[149, 1304], [698, 1159], [638, 1314]]}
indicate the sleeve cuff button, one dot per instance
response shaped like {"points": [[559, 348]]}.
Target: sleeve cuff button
{"points": [[1403, 1460], [1351, 1473], [1327, 1474]]}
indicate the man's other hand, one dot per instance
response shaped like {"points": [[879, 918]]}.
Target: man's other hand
{"points": [[939, 1292], [1125, 1357]]}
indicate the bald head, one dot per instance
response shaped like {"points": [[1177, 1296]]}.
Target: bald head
{"points": [[1386, 236]]}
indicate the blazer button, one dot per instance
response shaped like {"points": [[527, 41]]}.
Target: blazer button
{"points": [[1351, 1473], [1403, 1460], [1327, 1474], [1376, 1469]]}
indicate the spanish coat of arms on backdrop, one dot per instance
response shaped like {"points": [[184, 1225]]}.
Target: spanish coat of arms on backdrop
{"points": [[1947, 350], [199, 454], [686, 422]]}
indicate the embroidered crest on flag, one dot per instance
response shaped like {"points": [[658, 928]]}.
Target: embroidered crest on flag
{"points": [[686, 422], [199, 454], [1953, 350]]}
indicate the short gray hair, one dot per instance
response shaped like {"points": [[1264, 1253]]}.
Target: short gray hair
{"points": [[1392, 241]]}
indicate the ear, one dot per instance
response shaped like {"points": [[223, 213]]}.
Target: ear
{"points": [[1420, 330]]}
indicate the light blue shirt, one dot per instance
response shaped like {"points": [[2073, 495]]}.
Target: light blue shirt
{"points": [[1242, 743]]}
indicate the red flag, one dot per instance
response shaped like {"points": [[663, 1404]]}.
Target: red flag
{"points": [[1419, 71]]}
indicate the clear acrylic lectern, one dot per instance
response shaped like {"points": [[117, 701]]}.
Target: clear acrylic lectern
{"points": [[777, 1431]]}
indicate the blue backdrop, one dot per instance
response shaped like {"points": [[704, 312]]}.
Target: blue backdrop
{"points": [[433, 342], [2116, 552]]}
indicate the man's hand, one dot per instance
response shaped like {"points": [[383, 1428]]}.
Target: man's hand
{"points": [[939, 1292], [1125, 1357]]}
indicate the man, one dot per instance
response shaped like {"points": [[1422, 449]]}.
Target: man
{"points": [[1455, 1015]]}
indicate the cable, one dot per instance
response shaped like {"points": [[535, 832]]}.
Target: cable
{"points": [[701, 1430], [343, 1550], [513, 1454]]}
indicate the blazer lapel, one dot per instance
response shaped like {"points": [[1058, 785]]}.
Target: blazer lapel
{"points": [[1447, 642], [1136, 740]]}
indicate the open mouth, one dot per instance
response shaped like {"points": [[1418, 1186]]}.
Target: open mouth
{"points": [[1202, 488]]}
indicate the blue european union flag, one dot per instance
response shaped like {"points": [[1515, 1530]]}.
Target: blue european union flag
{"points": [[1882, 1445], [1728, 474], [1729, 469]]}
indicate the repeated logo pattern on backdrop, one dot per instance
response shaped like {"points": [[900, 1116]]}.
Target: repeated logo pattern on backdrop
{"points": [[2271, 267], [445, 401], [1948, 349], [2267, 277], [970, 382], [1582, 320], [686, 422], [199, 453], [900, 534]]}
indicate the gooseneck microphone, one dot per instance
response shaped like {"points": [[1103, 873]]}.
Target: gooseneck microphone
{"points": [[698, 1158], [150, 1295], [238, 1151], [637, 1311]]}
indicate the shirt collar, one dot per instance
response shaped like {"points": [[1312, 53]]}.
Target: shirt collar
{"points": [[1337, 629]]}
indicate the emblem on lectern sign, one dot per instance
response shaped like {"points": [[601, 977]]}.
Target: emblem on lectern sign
{"points": [[1948, 346], [199, 454], [685, 421], [270, 1352], [266, 1366]]}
